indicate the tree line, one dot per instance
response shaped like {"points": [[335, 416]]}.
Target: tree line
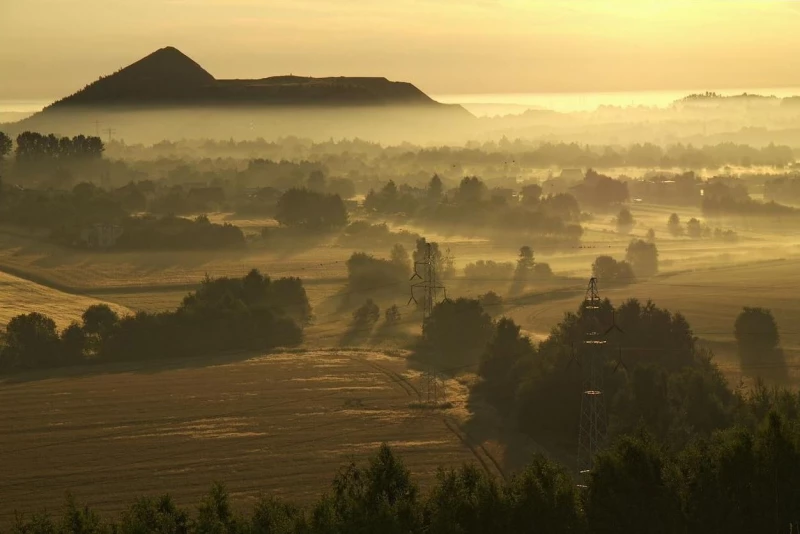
{"points": [[738, 481], [248, 313]]}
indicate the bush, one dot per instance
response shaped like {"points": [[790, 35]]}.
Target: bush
{"points": [[366, 273], [756, 331]]}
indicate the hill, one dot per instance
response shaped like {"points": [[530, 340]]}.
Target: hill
{"points": [[167, 95], [169, 77]]}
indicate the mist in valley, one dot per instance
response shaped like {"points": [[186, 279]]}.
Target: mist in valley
{"points": [[335, 304]]}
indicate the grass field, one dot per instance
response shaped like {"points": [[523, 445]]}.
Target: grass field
{"points": [[279, 423], [22, 296]]}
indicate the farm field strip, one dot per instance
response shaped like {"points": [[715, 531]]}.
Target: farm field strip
{"points": [[282, 423]]}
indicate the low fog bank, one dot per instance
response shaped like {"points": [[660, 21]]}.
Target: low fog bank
{"points": [[702, 119]]}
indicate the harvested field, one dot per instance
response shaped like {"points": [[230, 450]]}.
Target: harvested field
{"points": [[22, 296], [280, 423]]}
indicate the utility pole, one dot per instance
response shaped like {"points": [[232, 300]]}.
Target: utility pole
{"points": [[429, 283], [110, 132], [592, 430]]}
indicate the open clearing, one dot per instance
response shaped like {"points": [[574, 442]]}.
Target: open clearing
{"points": [[279, 423]]}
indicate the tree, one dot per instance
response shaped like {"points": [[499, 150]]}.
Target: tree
{"points": [[531, 194], [651, 235], [499, 361], [458, 330], [643, 257], [367, 314], [464, 501], [399, 257], [100, 320], [525, 263], [631, 487], [608, 270], [435, 188], [381, 498], [312, 211], [31, 341], [392, 315], [694, 228], [674, 225], [756, 331], [5, 145], [471, 191], [544, 495], [624, 221], [316, 181], [74, 343]]}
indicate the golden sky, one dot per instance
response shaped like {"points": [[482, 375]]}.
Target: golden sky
{"points": [[49, 48]]}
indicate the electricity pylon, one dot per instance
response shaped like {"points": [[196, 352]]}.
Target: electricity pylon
{"points": [[430, 286], [592, 430]]}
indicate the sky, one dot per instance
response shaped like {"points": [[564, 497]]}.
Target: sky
{"points": [[50, 48]]}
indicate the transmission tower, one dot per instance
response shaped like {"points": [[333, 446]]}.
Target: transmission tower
{"points": [[592, 431], [430, 286]]}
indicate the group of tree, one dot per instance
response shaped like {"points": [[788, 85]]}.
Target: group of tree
{"points": [[784, 188], [472, 206], [366, 274], [737, 481], [310, 211], [252, 312], [600, 192], [33, 147], [612, 272]]}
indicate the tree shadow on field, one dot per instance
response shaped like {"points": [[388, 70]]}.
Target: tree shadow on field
{"points": [[144, 367]]}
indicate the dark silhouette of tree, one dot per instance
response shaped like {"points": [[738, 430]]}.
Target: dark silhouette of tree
{"points": [[624, 221], [392, 314], [31, 341], [367, 314], [380, 498], [631, 486], [610, 271], [489, 270], [316, 181], [694, 228], [312, 211], [99, 320], [531, 194], [674, 225], [435, 189], [525, 263], [651, 235], [457, 331], [499, 362], [366, 273], [5, 145], [74, 343], [758, 341], [643, 257]]}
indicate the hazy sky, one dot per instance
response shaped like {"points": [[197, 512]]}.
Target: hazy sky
{"points": [[49, 48]]}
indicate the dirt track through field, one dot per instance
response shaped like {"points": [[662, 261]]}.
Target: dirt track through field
{"points": [[281, 424]]}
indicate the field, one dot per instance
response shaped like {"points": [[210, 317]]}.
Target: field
{"points": [[281, 423]]}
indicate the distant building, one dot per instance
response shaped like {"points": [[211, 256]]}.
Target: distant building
{"points": [[101, 235]]}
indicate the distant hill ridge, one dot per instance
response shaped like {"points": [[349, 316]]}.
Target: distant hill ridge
{"points": [[169, 77]]}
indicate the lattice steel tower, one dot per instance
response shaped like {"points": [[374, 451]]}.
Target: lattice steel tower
{"points": [[431, 288], [593, 424]]}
